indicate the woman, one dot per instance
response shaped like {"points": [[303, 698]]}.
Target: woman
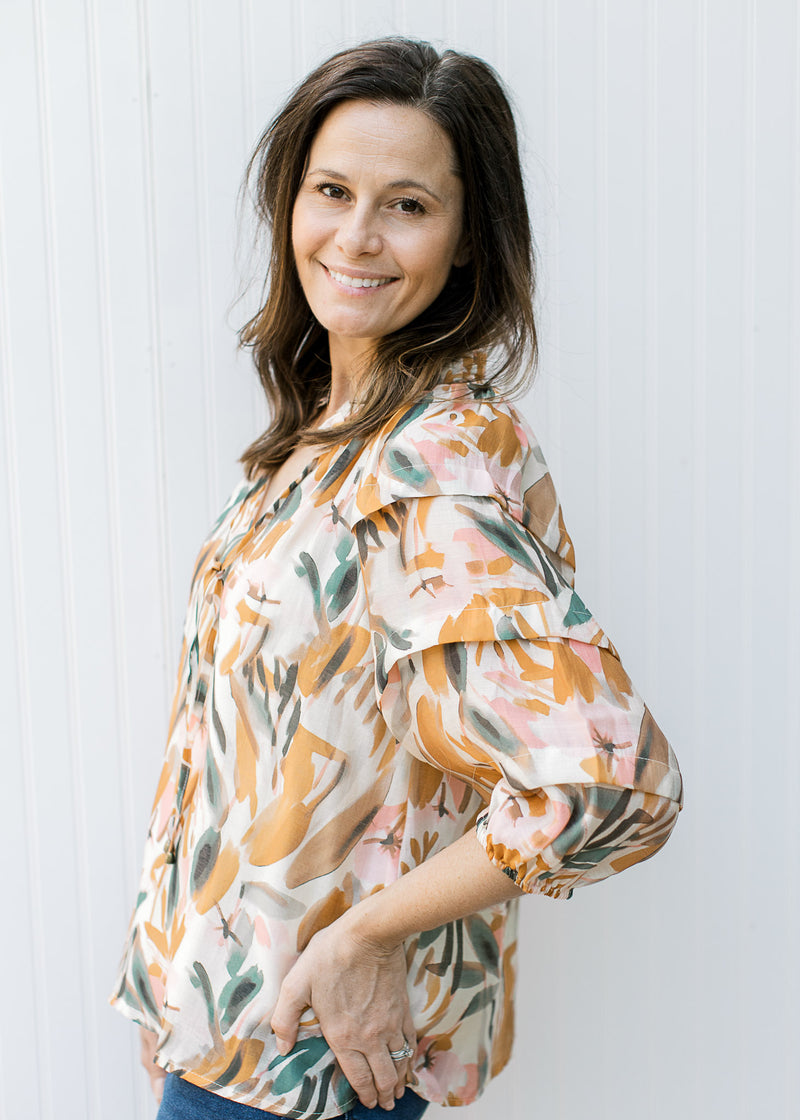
{"points": [[394, 715]]}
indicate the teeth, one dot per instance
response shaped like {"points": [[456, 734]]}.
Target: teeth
{"points": [[357, 281]]}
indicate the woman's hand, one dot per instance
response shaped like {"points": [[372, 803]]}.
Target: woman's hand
{"points": [[147, 1053], [353, 973], [357, 990]]}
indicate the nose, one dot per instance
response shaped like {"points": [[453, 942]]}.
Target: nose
{"points": [[358, 232]]}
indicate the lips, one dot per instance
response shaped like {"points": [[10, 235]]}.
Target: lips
{"points": [[359, 281]]}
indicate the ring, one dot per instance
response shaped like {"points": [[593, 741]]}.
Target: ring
{"points": [[400, 1055]]}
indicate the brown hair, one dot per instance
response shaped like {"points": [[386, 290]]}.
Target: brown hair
{"points": [[485, 305]]}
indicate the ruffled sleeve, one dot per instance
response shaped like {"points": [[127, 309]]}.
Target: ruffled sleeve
{"points": [[490, 667]]}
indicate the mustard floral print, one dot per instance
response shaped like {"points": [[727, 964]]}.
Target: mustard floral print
{"points": [[391, 655]]}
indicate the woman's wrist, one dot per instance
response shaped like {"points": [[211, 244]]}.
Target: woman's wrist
{"points": [[459, 880], [374, 923]]}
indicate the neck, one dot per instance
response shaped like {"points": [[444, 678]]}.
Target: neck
{"points": [[348, 357], [342, 390]]}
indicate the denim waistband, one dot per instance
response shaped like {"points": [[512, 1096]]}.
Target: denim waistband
{"points": [[184, 1101]]}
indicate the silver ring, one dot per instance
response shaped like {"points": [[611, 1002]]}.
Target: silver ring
{"points": [[401, 1055]]}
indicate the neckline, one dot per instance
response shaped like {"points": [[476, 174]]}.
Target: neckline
{"points": [[275, 505], [288, 490]]}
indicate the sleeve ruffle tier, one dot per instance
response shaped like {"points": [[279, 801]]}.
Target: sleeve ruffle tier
{"points": [[488, 664]]}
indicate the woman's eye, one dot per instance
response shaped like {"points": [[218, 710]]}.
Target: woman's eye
{"points": [[411, 206], [331, 190]]}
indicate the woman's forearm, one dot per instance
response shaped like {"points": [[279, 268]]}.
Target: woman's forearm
{"points": [[353, 972], [459, 880]]}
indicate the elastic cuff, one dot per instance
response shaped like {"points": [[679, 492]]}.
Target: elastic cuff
{"points": [[540, 884]]}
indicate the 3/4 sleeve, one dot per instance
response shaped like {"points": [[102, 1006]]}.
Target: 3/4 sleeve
{"points": [[490, 667], [514, 719]]}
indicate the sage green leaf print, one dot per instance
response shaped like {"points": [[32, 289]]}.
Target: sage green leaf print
{"points": [[577, 612], [236, 994], [484, 942], [305, 1055], [480, 1000], [308, 568], [173, 890], [205, 856], [199, 979], [342, 584], [213, 790], [470, 976], [456, 662], [441, 967], [141, 983], [410, 415], [400, 466]]}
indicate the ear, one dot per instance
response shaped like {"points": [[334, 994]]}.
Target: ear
{"points": [[463, 253]]}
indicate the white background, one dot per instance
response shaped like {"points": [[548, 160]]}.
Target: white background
{"points": [[662, 145]]}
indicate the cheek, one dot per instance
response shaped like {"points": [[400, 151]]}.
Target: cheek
{"points": [[299, 236], [296, 240], [434, 263], [304, 232]]}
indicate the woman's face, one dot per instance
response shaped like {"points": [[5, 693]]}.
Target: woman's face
{"points": [[377, 223]]}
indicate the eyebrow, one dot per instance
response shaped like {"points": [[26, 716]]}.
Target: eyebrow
{"points": [[412, 184], [397, 185]]}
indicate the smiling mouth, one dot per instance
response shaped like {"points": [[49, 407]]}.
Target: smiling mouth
{"points": [[359, 281]]}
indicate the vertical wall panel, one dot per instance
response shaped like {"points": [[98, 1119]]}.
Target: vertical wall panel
{"points": [[49, 833], [82, 584], [20, 862], [772, 435], [791, 733], [662, 152], [412, 14], [724, 223]]}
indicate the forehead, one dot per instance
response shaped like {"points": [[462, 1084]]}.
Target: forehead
{"points": [[382, 136]]}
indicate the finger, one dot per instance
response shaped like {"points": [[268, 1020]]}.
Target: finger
{"points": [[147, 1048], [157, 1084], [409, 1030], [293, 999], [387, 1074], [147, 1052], [358, 1074], [401, 1065], [157, 1077], [410, 1037]]}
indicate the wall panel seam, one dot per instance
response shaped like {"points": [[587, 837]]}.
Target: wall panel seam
{"points": [[154, 308], [651, 447], [200, 159], [747, 496], [603, 420], [699, 544], [792, 795], [112, 482], [64, 521], [41, 1091], [552, 278]]}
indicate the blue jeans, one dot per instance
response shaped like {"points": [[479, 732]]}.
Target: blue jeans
{"points": [[184, 1101]]}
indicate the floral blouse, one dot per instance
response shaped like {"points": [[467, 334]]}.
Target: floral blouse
{"points": [[391, 655]]}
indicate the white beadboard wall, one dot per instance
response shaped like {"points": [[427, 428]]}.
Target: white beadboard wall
{"points": [[662, 143]]}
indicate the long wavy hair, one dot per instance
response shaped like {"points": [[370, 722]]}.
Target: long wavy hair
{"points": [[486, 305]]}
